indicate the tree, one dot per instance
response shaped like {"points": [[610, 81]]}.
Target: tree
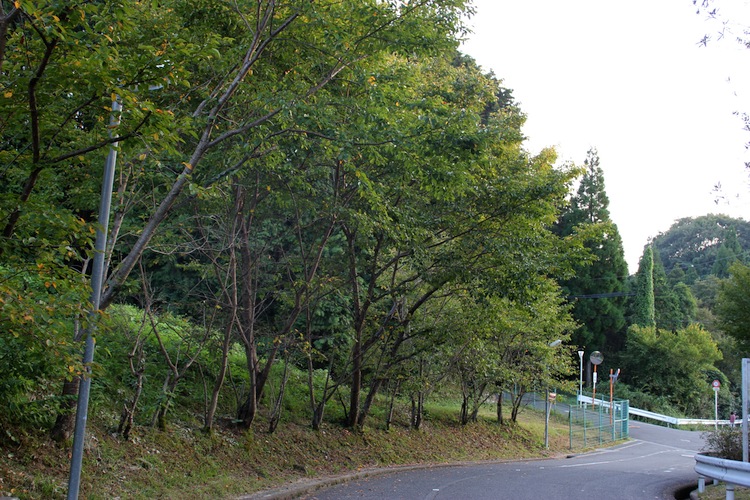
{"points": [[643, 309], [694, 244], [598, 286], [441, 214], [733, 305], [674, 305], [63, 75], [198, 82], [675, 365]]}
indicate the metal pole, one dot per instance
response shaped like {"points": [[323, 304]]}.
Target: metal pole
{"points": [[554, 343], [593, 394], [97, 279], [570, 426], [546, 420], [716, 409], [745, 381], [580, 376], [611, 396]]}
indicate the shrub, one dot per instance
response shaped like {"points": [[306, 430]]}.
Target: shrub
{"points": [[724, 442]]}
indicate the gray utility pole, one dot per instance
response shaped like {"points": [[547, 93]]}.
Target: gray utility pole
{"points": [[97, 280], [745, 382]]}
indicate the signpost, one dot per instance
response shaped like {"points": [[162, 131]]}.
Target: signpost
{"points": [[745, 397], [580, 377], [716, 385], [612, 379], [596, 359]]}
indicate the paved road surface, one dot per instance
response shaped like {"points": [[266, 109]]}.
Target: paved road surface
{"points": [[654, 464]]}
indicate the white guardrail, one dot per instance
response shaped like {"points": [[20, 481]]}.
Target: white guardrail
{"points": [[731, 472], [657, 416]]}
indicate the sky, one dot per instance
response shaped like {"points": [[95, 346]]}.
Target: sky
{"points": [[632, 80]]}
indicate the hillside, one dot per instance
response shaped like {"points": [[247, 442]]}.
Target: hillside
{"points": [[184, 463]]}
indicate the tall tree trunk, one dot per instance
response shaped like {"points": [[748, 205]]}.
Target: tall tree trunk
{"points": [[219, 382], [318, 409], [356, 382], [128, 410], [159, 419], [63, 428], [417, 410], [365, 411], [516, 405], [359, 312], [276, 412], [391, 405], [464, 415], [248, 410], [137, 363], [500, 407]]}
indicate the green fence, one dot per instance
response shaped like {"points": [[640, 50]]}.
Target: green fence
{"points": [[591, 423], [597, 422]]}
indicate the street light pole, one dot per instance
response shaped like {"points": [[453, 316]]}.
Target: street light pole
{"points": [[596, 359], [580, 377], [546, 402], [97, 282]]}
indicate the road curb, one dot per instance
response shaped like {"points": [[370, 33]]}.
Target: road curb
{"points": [[304, 487]]}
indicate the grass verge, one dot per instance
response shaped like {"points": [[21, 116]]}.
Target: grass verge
{"points": [[184, 463]]}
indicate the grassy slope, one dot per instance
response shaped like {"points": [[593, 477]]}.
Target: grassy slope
{"points": [[183, 463]]}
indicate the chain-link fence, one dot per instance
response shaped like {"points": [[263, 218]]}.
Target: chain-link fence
{"points": [[591, 422], [596, 422]]}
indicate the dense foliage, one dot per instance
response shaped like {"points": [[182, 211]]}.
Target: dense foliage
{"points": [[320, 186], [326, 185], [703, 246]]}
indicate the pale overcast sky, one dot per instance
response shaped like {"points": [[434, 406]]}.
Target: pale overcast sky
{"points": [[631, 80]]}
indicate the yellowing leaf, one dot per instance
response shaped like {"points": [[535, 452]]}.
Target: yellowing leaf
{"points": [[142, 156], [8, 94]]}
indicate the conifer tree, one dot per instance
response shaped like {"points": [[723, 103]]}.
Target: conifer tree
{"points": [[643, 312], [596, 287]]}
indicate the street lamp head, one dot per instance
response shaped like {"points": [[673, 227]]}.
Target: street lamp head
{"points": [[555, 343]]}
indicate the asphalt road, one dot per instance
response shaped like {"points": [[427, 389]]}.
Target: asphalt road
{"points": [[654, 464]]}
